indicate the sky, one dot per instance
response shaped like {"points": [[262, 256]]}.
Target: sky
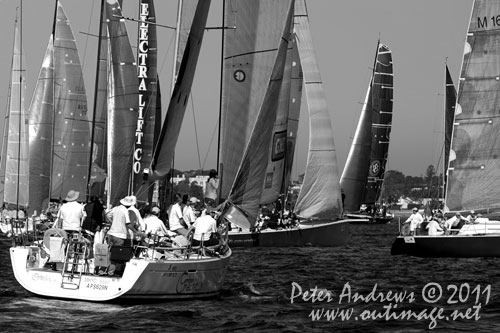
{"points": [[423, 35]]}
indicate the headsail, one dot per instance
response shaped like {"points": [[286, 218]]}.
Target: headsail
{"points": [[246, 191], [322, 198], [449, 117], [16, 135], [249, 53], [165, 147], [473, 180], [364, 171], [285, 129]]}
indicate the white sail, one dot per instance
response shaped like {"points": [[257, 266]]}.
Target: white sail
{"points": [[16, 185], [320, 195], [249, 52], [246, 191], [473, 179]]}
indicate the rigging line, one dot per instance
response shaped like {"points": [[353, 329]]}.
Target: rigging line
{"points": [[195, 131], [211, 142], [143, 21], [166, 26]]}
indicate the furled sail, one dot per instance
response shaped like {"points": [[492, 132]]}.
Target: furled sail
{"points": [[449, 117], [165, 147], [284, 131], [122, 103], [473, 181], [246, 191], [364, 171], [149, 117], [249, 52], [320, 193], [16, 137]]}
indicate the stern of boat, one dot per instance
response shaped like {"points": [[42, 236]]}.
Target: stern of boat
{"points": [[32, 274]]}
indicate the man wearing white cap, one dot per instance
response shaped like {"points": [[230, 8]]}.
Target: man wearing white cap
{"points": [[414, 220], [119, 231], [121, 224], [70, 215]]}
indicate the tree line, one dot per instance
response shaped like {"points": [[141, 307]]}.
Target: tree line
{"points": [[397, 184]]}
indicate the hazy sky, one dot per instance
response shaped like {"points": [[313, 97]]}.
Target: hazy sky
{"points": [[421, 34]]}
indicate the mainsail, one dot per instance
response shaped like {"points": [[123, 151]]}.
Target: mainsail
{"points": [[473, 180], [364, 171], [15, 193], [59, 125], [165, 147], [246, 191], [249, 52], [320, 195], [41, 120]]}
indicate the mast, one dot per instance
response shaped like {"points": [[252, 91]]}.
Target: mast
{"points": [[53, 109], [96, 88], [20, 102], [220, 168]]}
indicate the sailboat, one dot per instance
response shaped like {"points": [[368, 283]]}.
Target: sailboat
{"points": [[472, 180], [14, 157], [318, 205], [160, 272], [363, 175]]}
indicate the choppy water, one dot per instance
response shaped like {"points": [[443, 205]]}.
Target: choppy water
{"points": [[260, 284]]}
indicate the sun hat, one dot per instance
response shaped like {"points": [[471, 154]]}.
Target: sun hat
{"points": [[155, 210], [194, 200], [415, 208], [127, 201], [134, 199], [72, 195]]}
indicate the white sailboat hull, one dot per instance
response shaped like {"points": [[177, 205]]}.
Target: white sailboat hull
{"points": [[146, 279], [324, 234]]}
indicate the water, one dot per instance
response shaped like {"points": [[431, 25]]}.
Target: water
{"points": [[258, 289]]}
